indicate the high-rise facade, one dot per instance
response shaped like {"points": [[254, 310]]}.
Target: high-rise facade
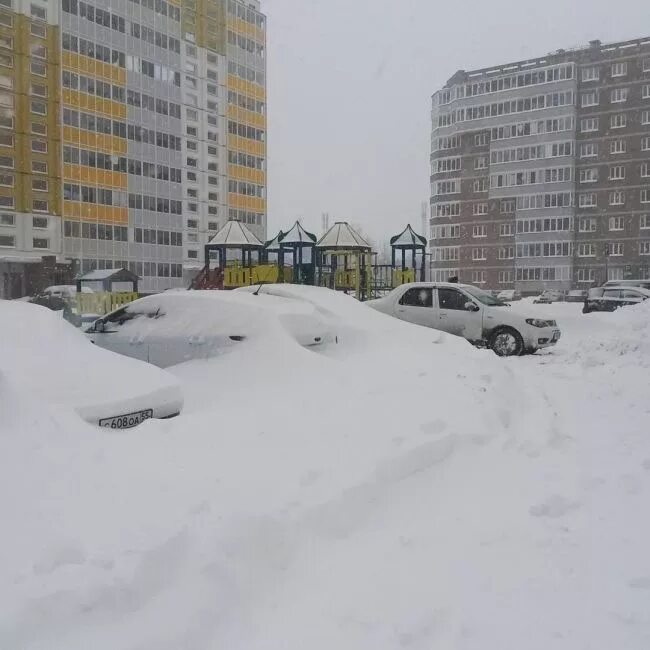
{"points": [[539, 170], [130, 132]]}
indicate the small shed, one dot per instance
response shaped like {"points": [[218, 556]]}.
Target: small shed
{"points": [[108, 281]]}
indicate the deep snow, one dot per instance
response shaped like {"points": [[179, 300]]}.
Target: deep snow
{"points": [[398, 490]]}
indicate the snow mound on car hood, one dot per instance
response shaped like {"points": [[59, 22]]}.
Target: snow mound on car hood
{"points": [[42, 353]]}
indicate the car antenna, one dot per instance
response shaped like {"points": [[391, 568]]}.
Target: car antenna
{"points": [[258, 289]]}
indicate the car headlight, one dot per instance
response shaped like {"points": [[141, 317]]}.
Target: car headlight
{"points": [[537, 322]]}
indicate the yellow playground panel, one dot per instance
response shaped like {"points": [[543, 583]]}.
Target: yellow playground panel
{"points": [[103, 302], [403, 276], [236, 275]]}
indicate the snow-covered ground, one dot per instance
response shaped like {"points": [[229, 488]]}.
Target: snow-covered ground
{"points": [[398, 490]]}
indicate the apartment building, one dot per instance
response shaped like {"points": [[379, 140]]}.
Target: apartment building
{"points": [[539, 170], [130, 132]]}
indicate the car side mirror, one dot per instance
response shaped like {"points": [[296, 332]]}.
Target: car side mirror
{"points": [[470, 306], [99, 326]]}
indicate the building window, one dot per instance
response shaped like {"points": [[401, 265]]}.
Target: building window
{"points": [[589, 175], [6, 42], [506, 252], [589, 124], [39, 205], [645, 196], [480, 209], [38, 68], [645, 91], [617, 198], [619, 95], [481, 162], [589, 99], [586, 250], [38, 12], [7, 241], [7, 19], [616, 250], [645, 144], [618, 121], [506, 277], [7, 202], [590, 74], [617, 223], [644, 222], [479, 254], [7, 219], [39, 146], [479, 231], [644, 248], [40, 242], [39, 223], [645, 117], [587, 200], [478, 277], [645, 170], [588, 150], [617, 146], [192, 254], [6, 162], [619, 69], [38, 30], [617, 173], [39, 108], [506, 230], [586, 275], [39, 184], [587, 225]]}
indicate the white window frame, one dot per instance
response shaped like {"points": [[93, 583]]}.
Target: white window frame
{"points": [[619, 69], [617, 223]]}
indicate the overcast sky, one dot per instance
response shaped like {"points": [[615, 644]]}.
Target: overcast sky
{"points": [[350, 82]]}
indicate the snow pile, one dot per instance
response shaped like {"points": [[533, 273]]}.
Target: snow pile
{"points": [[46, 357], [397, 490], [621, 337]]}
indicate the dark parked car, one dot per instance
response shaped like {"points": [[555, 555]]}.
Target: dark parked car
{"points": [[611, 298]]}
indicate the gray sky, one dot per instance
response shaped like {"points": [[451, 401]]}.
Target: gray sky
{"points": [[350, 86]]}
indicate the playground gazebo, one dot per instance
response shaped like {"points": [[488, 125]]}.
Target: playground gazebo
{"points": [[408, 241]]}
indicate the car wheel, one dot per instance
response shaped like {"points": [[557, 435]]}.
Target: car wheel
{"points": [[506, 342], [585, 309]]}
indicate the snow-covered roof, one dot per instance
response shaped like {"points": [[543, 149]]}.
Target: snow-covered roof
{"points": [[408, 238], [274, 244], [235, 233], [342, 235], [298, 235], [103, 274]]}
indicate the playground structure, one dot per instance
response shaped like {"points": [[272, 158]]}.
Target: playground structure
{"points": [[341, 259]]}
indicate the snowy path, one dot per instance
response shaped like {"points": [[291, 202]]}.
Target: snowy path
{"points": [[458, 501]]}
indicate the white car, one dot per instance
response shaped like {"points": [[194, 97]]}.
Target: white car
{"points": [[177, 326], [56, 363], [469, 312]]}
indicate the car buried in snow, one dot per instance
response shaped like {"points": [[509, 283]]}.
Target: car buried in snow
{"points": [[465, 310], [177, 326], [611, 298]]}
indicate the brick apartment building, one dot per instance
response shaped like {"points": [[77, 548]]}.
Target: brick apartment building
{"points": [[540, 174]]}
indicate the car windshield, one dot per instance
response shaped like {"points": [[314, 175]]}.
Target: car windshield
{"points": [[484, 297]]}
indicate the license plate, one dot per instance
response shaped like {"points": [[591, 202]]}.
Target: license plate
{"points": [[126, 421], [556, 335]]}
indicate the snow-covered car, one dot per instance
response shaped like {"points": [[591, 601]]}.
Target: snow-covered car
{"points": [[467, 311], [177, 326], [56, 363], [576, 295], [549, 296], [612, 298], [508, 295], [66, 291]]}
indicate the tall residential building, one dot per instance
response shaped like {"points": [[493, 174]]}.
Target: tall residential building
{"points": [[130, 132], [540, 170]]}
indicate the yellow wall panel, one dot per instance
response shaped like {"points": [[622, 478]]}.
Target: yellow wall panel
{"points": [[242, 27], [99, 141], [246, 202], [92, 176], [92, 104], [246, 117], [244, 144], [91, 212], [246, 87], [80, 63], [239, 172]]}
